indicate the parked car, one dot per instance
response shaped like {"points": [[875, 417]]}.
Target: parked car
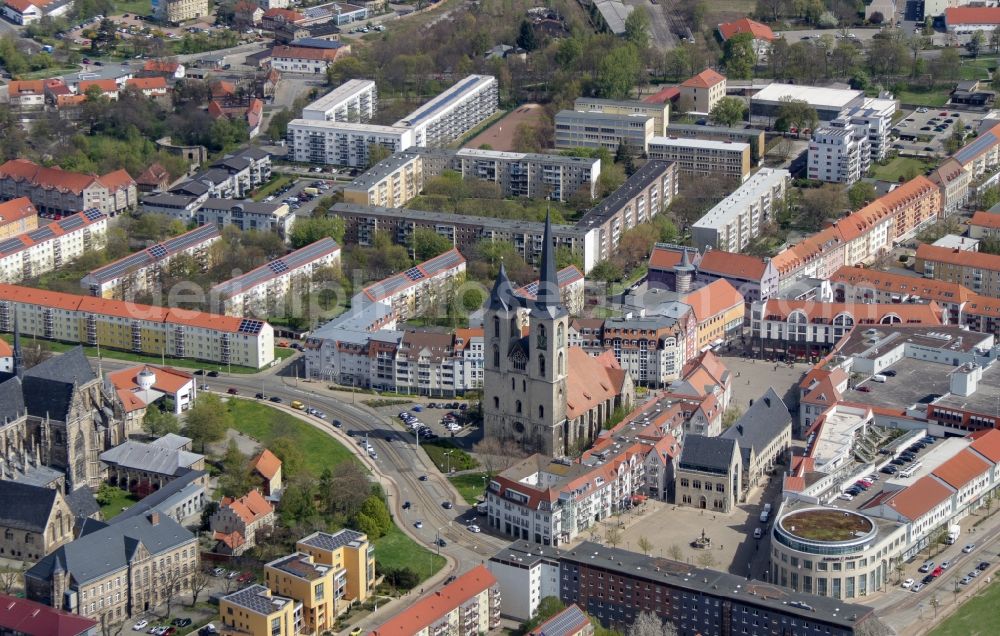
{"points": [[181, 622], [276, 399], [418, 525], [966, 580], [926, 567], [406, 505], [757, 534], [218, 571], [474, 528], [213, 374], [917, 587], [140, 625], [945, 565], [447, 505], [983, 566], [908, 583], [969, 548], [863, 389], [232, 391]]}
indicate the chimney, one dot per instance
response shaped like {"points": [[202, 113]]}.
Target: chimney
{"points": [[767, 401], [154, 518], [739, 427]]}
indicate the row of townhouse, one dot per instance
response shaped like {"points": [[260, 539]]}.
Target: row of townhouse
{"points": [[363, 348], [863, 235], [244, 214], [146, 329], [266, 290], [55, 192], [595, 236], [321, 136], [958, 175], [140, 272], [51, 246]]}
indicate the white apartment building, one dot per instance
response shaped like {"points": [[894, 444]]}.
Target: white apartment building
{"points": [[875, 115], [520, 174], [354, 101], [839, 153], [267, 288], [702, 156], [343, 143], [390, 183], [454, 112], [51, 246], [247, 215], [139, 272], [736, 220], [177, 11], [417, 289], [603, 130]]}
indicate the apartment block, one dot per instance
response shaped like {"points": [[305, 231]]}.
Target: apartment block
{"points": [[157, 331], [659, 112], [101, 575], [752, 136], [982, 154], [390, 183], [652, 349], [602, 130], [355, 101], [177, 11], [530, 175], [302, 59], [704, 90], [343, 143], [272, 288], [419, 288], [255, 611], [733, 223], [17, 216], [703, 157], [352, 559], [51, 246], [839, 153], [454, 112], [953, 182], [56, 192], [140, 272], [874, 116], [247, 215], [308, 584], [977, 271], [468, 605]]}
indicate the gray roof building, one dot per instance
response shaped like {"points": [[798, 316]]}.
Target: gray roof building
{"points": [[765, 420], [150, 458], [164, 499], [25, 507], [706, 454]]}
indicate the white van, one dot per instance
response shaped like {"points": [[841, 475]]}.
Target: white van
{"points": [[878, 377]]}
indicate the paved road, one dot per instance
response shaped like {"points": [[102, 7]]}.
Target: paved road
{"points": [[399, 467], [659, 24]]}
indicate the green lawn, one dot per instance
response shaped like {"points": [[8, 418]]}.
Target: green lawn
{"points": [[48, 72], [397, 550], [121, 499], [470, 486], [446, 456], [280, 353], [981, 68], [140, 7], [978, 616], [264, 423], [906, 167], [919, 97]]}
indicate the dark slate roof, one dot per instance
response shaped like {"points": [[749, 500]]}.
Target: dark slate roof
{"points": [[103, 549], [82, 502], [48, 387], [25, 507], [762, 422], [11, 400], [710, 454], [195, 188]]}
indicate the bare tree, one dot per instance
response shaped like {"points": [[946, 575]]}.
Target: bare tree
{"points": [[10, 579], [706, 559], [199, 581], [174, 581], [645, 545], [675, 552], [497, 455], [108, 628], [935, 603], [650, 624], [613, 537], [900, 568]]}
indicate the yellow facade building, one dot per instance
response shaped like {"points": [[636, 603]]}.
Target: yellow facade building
{"points": [[254, 611], [719, 310], [352, 559], [313, 585]]}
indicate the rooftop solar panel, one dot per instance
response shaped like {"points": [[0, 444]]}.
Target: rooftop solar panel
{"points": [[93, 214], [414, 273], [250, 326], [158, 251], [41, 234], [278, 267], [71, 223], [296, 259], [11, 245], [970, 152], [444, 261], [565, 622]]}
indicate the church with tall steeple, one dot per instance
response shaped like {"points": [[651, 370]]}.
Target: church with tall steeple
{"points": [[538, 392]]}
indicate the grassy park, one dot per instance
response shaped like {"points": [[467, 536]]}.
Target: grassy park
{"points": [[978, 616]]}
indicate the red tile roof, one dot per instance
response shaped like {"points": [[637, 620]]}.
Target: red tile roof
{"points": [[987, 444], [250, 507], [746, 25], [287, 14], [5, 350], [153, 175], [303, 53], [985, 219], [160, 66], [971, 15], [255, 112], [733, 265], [232, 540], [662, 257], [590, 380], [667, 94], [963, 258], [58, 179], [148, 83], [16, 209], [435, 605], [168, 380], [926, 288], [917, 500], [30, 618], [266, 463], [961, 469], [106, 85], [705, 79], [863, 313], [25, 87], [713, 299]]}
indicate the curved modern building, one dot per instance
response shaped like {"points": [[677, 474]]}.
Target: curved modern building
{"points": [[833, 552]]}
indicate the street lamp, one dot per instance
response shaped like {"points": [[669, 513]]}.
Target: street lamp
{"points": [[447, 454]]}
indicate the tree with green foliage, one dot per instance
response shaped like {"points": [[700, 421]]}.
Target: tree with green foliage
{"points": [[236, 479], [988, 198], [607, 271], [311, 229], [617, 72], [547, 608], [526, 36], [298, 501], [207, 420], [427, 244], [861, 193], [375, 512], [159, 423], [625, 156], [976, 42], [570, 50], [290, 454], [377, 153], [739, 56], [729, 111], [637, 28], [565, 256], [796, 113]]}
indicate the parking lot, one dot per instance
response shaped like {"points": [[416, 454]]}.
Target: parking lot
{"points": [[925, 130]]}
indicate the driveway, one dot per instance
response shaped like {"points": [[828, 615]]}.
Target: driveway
{"points": [[660, 33]]}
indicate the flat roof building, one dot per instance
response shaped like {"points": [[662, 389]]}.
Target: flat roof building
{"points": [[703, 157], [828, 102], [355, 100], [659, 112], [733, 223], [454, 112], [343, 143], [602, 130]]}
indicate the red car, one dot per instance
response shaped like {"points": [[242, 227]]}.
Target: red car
{"points": [[246, 577], [864, 389], [938, 571], [232, 391]]}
